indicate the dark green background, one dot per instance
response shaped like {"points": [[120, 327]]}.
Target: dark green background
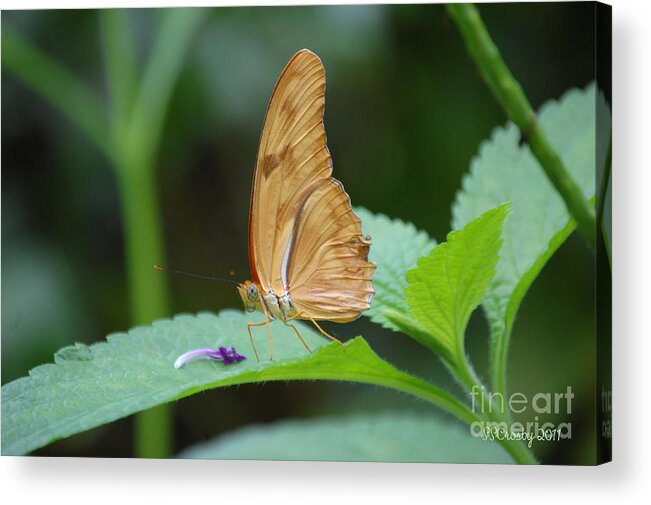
{"points": [[406, 111]]}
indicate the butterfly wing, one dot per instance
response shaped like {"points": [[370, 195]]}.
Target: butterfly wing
{"points": [[304, 237], [292, 155], [329, 275]]}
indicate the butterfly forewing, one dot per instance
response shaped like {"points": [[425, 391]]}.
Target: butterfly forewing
{"points": [[304, 237], [292, 154]]}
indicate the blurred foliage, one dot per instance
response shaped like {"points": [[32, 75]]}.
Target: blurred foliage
{"points": [[405, 113], [409, 437]]}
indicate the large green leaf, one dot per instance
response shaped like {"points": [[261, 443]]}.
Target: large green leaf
{"points": [[397, 245], [397, 437], [449, 284], [506, 171], [134, 371]]}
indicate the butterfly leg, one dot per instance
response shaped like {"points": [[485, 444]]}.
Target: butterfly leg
{"points": [[323, 332], [300, 337], [248, 327], [266, 321]]}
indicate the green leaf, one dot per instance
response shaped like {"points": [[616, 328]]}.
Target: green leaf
{"points": [[449, 284], [395, 437], [540, 223], [397, 245], [134, 371]]}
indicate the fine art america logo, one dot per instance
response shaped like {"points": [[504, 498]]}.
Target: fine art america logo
{"points": [[495, 406]]}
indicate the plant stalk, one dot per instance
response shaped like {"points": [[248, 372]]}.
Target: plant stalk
{"points": [[137, 123], [492, 409], [511, 97]]}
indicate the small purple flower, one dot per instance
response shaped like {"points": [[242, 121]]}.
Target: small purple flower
{"points": [[226, 355], [229, 355]]}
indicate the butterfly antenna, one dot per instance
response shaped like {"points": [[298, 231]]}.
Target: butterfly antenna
{"points": [[196, 276]]}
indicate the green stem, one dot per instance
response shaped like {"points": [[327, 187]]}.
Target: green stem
{"points": [[176, 29], [510, 95], [148, 290], [134, 167], [493, 406], [137, 132], [120, 63], [153, 432], [520, 453]]}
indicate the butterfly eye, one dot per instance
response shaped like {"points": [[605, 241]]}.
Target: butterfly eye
{"points": [[252, 292]]}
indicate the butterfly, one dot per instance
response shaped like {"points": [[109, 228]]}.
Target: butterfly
{"points": [[308, 257]]}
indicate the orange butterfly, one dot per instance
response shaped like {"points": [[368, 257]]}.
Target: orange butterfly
{"points": [[309, 259]]}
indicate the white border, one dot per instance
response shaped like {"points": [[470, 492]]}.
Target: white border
{"points": [[71, 480]]}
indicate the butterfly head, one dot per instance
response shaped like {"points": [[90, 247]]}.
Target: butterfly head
{"points": [[250, 295]]}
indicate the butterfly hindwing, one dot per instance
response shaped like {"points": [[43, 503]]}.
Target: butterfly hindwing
{"points": [[329, 275]]}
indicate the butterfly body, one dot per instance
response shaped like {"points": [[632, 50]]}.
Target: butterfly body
{"points": [[308, 257], [274, 306]]}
